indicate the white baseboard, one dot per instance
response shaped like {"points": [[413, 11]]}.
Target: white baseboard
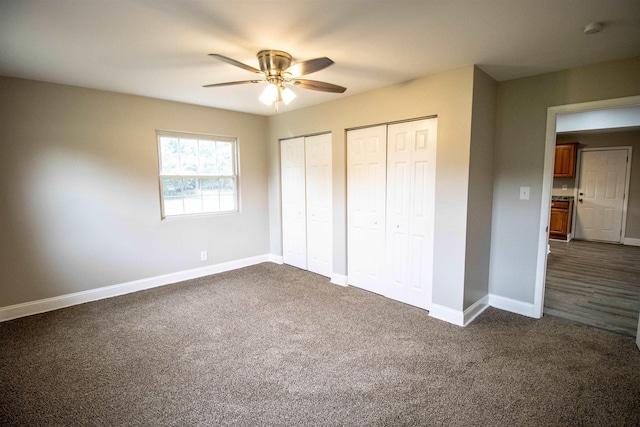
{"points": [[339, 279], [460, 318], [276, 259], [475, 310], [631, 241], [447, 314], [54, 303], [511, 305]]}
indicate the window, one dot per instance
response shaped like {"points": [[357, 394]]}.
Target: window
{"points": [[198, 174]]}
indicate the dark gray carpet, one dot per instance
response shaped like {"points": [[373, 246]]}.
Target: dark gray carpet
{"points": [[271, 345]]}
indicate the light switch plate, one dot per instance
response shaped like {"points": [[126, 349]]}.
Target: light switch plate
{"points": [[524, 193]]}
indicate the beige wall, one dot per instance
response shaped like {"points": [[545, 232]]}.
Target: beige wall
{"points": [[519, 161], [449, 96], [619, 138], [80, 201], [480, 188]]}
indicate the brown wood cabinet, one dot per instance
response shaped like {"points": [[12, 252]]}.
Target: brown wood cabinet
{"points": [[565, 162], [560, 221]]}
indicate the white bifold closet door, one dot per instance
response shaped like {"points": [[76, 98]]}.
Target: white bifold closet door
{"points": [[390, 209], [411, 175], [366, 188], [307, 232], [294, 205]]}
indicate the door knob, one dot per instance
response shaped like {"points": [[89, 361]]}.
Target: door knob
{"points": [[580, 200]]}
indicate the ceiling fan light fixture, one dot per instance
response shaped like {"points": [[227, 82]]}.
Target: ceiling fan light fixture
{"points": [[287, 95], [269, 94], [276, 69]]}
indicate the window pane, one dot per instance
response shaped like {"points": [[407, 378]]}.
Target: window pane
{"points": [[207, 157], [224, 151], [227, 202], [170, 156], [192, 195], [189, 187], [210, 195], [188, 156], [172, 196], [227, 194]]}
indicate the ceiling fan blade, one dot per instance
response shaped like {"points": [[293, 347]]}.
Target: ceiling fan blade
{"points": [[232, 83], [315, 85], [308, 67], [236, 63]]}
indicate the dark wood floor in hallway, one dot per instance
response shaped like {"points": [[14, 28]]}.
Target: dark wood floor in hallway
{"points": [[594, 283]]}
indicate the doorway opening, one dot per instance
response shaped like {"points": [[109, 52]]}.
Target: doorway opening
{"points": [[562, 272]]}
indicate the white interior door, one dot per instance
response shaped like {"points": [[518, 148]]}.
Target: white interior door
{"points": [[601, 187], [294, 228], [319, 203], [411, 159], [366, 190]]}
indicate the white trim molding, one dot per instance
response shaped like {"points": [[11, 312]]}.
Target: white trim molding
{"points": [[54, 303], [513, 306], [459, 318], [339, 279], [475, 310], [276, 259], [631, 241], [447, 314]]}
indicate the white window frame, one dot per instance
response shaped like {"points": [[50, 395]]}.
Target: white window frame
{"points": [[181, 175]]}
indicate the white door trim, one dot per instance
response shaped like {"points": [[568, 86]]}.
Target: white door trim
{"points": [[627, 179], [547, 183]]}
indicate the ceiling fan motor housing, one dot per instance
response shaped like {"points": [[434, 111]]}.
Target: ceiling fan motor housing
{"points": [[273, 60]]}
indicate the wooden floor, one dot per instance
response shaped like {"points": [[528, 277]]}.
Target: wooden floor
{"points": [[597, 284]]}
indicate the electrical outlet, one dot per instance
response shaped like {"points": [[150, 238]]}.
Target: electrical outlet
{"points": [[204, 256]]}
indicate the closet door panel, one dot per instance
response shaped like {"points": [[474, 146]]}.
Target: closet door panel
{"points": [[319, 204], [366, 190], [422, 212], [411, 191], [398, 204], [294, 228]]}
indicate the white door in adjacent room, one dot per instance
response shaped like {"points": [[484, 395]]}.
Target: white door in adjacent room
{"points": [[601, 193]]}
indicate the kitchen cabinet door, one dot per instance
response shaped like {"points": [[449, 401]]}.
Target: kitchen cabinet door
{"points": [[565, 161]]}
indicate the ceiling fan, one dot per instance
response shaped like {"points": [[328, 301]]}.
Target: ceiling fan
{"points": [[276, 70]]}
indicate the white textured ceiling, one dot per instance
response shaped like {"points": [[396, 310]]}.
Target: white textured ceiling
{"points": [[158, 48]]}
